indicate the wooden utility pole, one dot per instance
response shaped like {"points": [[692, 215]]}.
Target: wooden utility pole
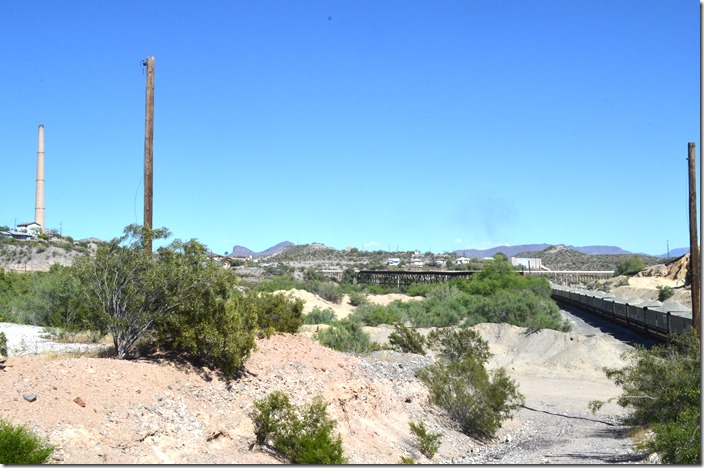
{"points": [[693, 239], [149, 149]]}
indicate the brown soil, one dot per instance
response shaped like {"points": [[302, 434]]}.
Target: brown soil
{"points": [[160, 412]]}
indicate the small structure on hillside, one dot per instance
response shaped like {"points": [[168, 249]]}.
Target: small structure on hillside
{"points": [[527, 263]]}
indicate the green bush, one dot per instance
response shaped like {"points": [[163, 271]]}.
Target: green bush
{"points": [[357, 299], [455, 345], [346, 336], [311, 274], [629, 265], [299, 435], [19, 446], [373, 315], [277, 313], [406, 461], [459, 383], [317, 316], [416, 289], [222, 335], [329, 291], [522, 308], [662, 386], [407, 340], [3, 344], [678, 441], [435, 312], [665, 292], [428, 443]]}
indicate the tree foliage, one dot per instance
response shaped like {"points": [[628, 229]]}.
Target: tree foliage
{"points": [[629, 265], [20, 446], [428, 442], [662, 387], [126, 286], [478, 400], [346, 335], [301, 435], [275, 312], [407, 340], [175, 296]]}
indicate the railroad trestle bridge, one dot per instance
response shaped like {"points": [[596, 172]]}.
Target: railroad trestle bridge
{"points": [[400, 278]]}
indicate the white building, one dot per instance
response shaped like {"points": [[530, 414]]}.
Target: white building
{"points": [[527, 263]]}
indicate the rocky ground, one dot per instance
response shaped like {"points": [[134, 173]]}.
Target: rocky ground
{"points": [[149, 411]]}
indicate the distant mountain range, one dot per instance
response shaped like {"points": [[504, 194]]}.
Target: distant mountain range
{"points": [[508, 250], [676, 252], [513, 250], [239, 251]]}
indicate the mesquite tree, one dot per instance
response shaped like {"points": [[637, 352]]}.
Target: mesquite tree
{"points": [[124, 287], [175, 296]]}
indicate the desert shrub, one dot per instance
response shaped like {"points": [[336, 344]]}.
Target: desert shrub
{"points": [[3, 344], [417, 289], [455, 345], [435, 312], [311, 274], [375, 314], [348, 276], [19, 446], [318, 315], [222, 335], [174, 296], [277, 283], [428, 443], [357, 299], [329, 291], [277, 313], [629, 265], [15, 289], [678, 441], [57, 300], [347, 336], [621, 282], [459, 383], [662, 386], [665, 292], [406, 461], [522, 308], [299, 435], [407, 340]]}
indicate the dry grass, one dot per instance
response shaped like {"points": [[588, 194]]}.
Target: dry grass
{"points": [[640, 434], [102, 352]]}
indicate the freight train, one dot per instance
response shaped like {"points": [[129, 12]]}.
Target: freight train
{"points": [[654, 318]]}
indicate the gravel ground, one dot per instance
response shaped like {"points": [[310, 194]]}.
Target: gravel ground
{"points": [[25, 340]]}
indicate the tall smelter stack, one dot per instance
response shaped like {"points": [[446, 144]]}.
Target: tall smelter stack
{"points": [[39, 205]]}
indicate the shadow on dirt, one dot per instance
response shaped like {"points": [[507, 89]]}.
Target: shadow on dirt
{"points": [[600, 324]]}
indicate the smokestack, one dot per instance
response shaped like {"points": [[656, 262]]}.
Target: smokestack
{"points": [[39, 205]]}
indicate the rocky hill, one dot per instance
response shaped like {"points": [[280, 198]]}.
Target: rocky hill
{"points": [[560, 257], [38, 255], [239, 251], [515, 250]]}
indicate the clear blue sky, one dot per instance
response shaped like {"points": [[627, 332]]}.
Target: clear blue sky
{"points": [[430, 125]]}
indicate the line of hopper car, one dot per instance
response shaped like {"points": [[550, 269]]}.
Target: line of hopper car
{"points": [[650, 317]]}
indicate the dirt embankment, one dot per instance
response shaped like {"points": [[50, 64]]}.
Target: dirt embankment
{"points": [[160, 412], [645, 283]]}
